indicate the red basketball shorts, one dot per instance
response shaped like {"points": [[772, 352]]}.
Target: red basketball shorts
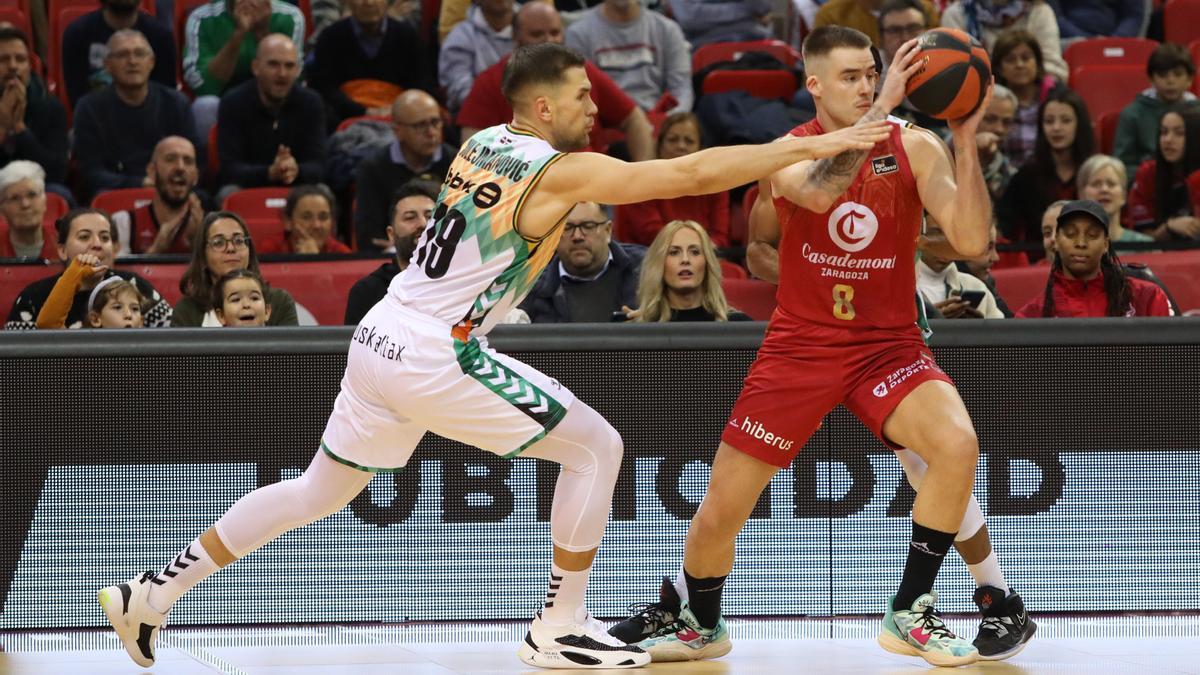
{"points": [[804, 370]]}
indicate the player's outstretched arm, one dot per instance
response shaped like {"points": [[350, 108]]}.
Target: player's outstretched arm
{"points": [[815, 186], [590, 176], [762, 251], [952, 189]]}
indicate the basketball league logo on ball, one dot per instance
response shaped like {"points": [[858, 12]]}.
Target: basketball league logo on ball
{"points": [[954, 74], [853, 226]]}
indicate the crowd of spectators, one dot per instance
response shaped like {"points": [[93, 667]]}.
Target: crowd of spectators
{"points": [[357, 109]]}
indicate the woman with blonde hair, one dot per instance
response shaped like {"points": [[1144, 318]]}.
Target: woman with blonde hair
{"points": [[681, 278], [1102, 179]]}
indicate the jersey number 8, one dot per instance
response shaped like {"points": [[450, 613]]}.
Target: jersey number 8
{"points": [[441, 239], [842, 309]]}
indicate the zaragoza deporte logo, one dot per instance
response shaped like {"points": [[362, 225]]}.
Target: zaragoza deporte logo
{"points": [[852, 226]]}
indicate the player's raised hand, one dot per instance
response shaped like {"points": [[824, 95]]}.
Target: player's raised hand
{"points": [[857, 137], [906, 64]]}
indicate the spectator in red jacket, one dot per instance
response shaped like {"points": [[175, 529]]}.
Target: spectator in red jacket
{"points": [[1086, 279], [679, 135], [535, 24], [25, 232], [1165, 196]]}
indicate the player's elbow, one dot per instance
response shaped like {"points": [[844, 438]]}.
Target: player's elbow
{"points": [[972, 246], [759, 260]]}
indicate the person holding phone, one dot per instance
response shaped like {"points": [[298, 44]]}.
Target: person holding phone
{"points": [[955, 294]]}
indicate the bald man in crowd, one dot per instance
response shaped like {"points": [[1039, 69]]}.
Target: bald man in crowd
{"points": [[418, 151], [271, 131], [166, 223]]}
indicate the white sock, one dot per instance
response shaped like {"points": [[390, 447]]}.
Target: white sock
{"points": [[190, 567], [565, 597], [681, 586], [987, 572]]}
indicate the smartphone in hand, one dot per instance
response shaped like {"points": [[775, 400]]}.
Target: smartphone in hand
{"points": [[973, 298]]}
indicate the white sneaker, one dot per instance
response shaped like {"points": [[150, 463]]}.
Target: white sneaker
{"points": [[582, 644], [136, 623]]}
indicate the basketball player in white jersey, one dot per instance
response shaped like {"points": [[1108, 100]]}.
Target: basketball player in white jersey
{"points": [[418, 361]]}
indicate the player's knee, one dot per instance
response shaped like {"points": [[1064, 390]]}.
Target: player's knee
{"points": [[956, 447], [612, 452], [713, 522]]}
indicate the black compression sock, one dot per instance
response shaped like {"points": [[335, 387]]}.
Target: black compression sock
{"points": [[925, 555], [704, 598]]}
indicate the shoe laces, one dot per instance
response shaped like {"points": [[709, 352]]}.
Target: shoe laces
{"points": [[650, 613], [933, 624], [992, 623]]}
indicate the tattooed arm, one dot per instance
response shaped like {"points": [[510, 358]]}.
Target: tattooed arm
{"points": [[816, 185]]}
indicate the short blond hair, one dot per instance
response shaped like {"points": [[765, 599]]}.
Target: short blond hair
{"points": [[1094, 164]]}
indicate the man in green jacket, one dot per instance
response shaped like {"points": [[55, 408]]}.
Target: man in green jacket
{"points": [[219, 43]]}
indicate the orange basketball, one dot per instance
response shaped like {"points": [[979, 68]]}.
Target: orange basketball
{"points": [[956, 71]]}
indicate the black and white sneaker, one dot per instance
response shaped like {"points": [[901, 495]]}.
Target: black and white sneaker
{"points": [[1006, 627], [136, 623], [646, 619], [581, 644]]}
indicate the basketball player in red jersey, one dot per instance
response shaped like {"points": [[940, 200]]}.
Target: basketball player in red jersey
{"points": [[845, 331]]}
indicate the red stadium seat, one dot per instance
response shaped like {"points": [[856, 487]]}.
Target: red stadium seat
{"points": [[17, 17], [14, 279], [59, 20], [1194, 50], [1109, 51], [257, 203], [430, 10], [1181, 21], [752, 296], [115, 201], [707, 55], [760, 83], [262, 210], [1106, 131], [213, 156], [732, 270], [56, 206], [346, 123], [1108, 89]]}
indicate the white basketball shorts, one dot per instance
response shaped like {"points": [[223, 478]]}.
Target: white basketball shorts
{"points": [[405, 375]]}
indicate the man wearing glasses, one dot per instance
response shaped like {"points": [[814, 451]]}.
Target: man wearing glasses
{"points": [[417, 153], [899, 22], [117, 128], [591, 277]]}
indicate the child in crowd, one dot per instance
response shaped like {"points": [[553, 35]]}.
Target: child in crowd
{"points": [[115, 303], [1171, 72], [240, 299]]}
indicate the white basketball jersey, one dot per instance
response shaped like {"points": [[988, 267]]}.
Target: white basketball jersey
{"points": [[471, 266]]}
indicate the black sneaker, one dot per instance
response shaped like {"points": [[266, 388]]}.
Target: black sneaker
{"points": [[1006, 628], [648, 618]]}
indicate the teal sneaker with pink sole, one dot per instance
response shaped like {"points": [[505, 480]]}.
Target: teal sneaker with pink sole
{"points": [[920, 632]]}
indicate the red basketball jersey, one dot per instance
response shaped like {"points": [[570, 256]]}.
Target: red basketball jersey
{"points": [[854, 266]]}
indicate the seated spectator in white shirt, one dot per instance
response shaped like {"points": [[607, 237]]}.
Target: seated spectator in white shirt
{"points": [[708, 21], [956, 295], [644, 52], [473, 46]]}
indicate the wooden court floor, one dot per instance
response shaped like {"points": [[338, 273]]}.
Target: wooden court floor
{"points": [[1136, 645]]}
